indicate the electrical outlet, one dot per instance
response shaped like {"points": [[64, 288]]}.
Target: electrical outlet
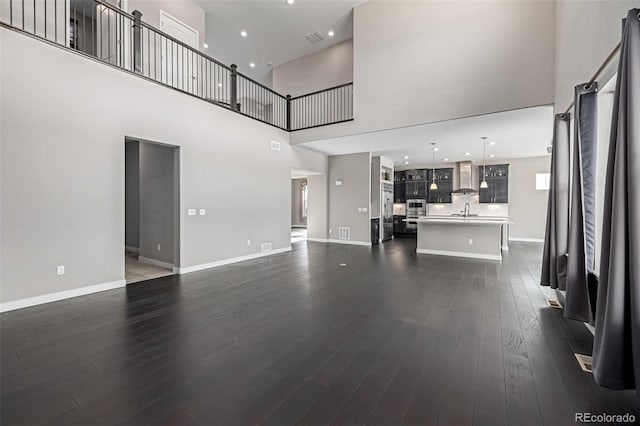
{"points": [[248, 243], [60, 270], [191, 212], [330, 231], [470, 241], [158, 248], [203, 212]]}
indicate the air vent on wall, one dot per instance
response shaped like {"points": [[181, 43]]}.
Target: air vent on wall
{"points": [[554, 304], [585, 361], [314, 37], [344, 233], [265, 247], [275, 146]]}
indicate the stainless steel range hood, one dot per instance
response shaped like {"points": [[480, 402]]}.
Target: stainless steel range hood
{"points": [[465, 179]]}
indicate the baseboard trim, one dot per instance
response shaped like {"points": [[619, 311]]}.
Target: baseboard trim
{"points": [[354, 243], [527, 240], [132, 249], [460, 254], [155, 262], [60, 295], [224, 262], [318, 240]]}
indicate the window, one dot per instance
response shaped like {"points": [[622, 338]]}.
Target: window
{"points": [[542, 181]]}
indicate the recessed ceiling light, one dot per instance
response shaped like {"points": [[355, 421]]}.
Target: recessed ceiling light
{"points": [[219, 84], [290, 1], [492, 143], [205, 45], [435, 148], [467, 153], [491, 155], [406, 157], [243, 33], [406, 162], [252, 65], [330, 33], [445, 159]]}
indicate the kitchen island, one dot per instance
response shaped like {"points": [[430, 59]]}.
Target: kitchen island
{"points": [[478, 237]]}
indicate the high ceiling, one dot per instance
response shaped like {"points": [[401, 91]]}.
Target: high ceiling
{"points": [[517, 134], [275, 30]]}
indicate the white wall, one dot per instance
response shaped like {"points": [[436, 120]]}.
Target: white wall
{"points": [[527, 206], [586, 32], [418, 62], [355, 192], [327, 68], [62, 171]]}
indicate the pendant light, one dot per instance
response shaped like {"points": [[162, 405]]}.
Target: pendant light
{"points": [[433, 185], [484, 183]]}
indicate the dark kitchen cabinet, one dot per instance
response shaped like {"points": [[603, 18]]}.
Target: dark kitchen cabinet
{"points": [[375, 231], [415, 190], [399, 176], [399, 225], [497, 177], [415, 175], [444, 181], [399, 192]]}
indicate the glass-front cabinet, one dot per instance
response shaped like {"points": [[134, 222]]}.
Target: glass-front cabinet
{"points": [[497, 177]]}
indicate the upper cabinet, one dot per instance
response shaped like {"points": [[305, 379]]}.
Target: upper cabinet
{"points": [[416, 184], [444, 182], [497, 177], [419, 175]]}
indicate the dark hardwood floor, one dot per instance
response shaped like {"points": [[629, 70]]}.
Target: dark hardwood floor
{"points": [[391, 338]]}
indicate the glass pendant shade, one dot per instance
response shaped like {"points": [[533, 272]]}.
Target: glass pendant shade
{"points": [[433, 186], [484, 184]]}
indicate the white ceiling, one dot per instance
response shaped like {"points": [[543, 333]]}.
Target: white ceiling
{"points": [[275, 30], [517, 134]]}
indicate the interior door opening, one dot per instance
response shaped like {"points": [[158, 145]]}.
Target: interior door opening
{"points": [[299, 208], [151, 243]]}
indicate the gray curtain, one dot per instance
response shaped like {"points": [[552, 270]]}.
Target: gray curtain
{"points": [[554, 261], [581, 283], [616, 351]]}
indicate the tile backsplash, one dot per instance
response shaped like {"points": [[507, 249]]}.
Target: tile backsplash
{"points": [[457, 205]]}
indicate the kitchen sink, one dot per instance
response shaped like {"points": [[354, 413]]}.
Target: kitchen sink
{"points": [[464, 215]]}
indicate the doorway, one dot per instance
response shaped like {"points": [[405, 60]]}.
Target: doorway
{"points": [[299, 208], [151, 244]]}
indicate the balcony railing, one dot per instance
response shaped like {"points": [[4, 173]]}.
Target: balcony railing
{"points": [[104, 32]]}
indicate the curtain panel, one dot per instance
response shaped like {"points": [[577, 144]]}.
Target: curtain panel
{"points": [[554, 261], [616, 351], [581, 282]]}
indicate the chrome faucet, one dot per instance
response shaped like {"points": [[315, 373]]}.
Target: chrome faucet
{"points": [[467, 209]]}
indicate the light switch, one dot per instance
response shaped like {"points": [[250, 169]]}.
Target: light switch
{"points": [[203, 212], [191, 212]]}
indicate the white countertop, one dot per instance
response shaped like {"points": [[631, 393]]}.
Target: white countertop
{"points": [[460, 220]]}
